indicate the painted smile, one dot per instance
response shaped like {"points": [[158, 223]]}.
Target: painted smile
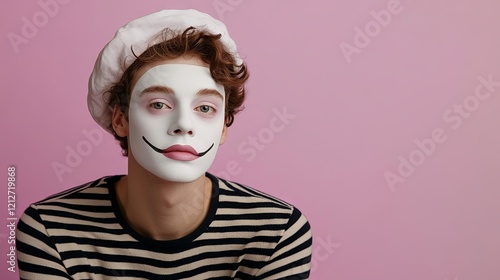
{"points": [[179, 152]]}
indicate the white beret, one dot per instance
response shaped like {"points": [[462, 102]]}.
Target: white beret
{"points": [[138, 35]]}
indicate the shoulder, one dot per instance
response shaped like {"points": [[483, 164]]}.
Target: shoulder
{"points": [[88, 197], [279, 227], [99, 186], [245, 200], [251, 195]]}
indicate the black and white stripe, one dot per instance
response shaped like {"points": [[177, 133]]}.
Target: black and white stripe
{"points": [[81, 234]]}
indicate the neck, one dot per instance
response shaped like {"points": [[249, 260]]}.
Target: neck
{"points": [[160, 209]]}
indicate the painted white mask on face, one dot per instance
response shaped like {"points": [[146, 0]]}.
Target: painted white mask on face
{"points": [[176, 118]]}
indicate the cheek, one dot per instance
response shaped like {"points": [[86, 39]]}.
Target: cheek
{"points": [[141, 122], [211, 131]]}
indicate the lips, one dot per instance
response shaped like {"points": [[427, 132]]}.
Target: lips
{"points": [[179, 152]]}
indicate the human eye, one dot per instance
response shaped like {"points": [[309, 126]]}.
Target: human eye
{"points": [[206, 109], [159, 105]]}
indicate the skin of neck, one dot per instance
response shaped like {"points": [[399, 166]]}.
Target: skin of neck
{"points": [[159, 209]]}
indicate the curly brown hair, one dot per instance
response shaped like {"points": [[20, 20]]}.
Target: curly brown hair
{"points": [[208, 47]]}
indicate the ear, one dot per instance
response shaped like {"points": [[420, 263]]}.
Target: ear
{"points": [[119, 122], [223, 135]]}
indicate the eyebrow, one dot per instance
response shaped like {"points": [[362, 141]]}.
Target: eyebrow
{"points": [[167, 90], [156, 89], [208, 92]]}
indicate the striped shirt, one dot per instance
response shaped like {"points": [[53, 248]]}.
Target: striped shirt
{"points": [[81, 234]]}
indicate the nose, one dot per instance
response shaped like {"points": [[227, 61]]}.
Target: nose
{"points": [[182, 123]]}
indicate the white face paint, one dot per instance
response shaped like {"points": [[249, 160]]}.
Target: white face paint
{"points": [[176, 117]]}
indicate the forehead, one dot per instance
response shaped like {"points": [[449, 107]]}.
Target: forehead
{"points": [[174, 79], [186, 59]]}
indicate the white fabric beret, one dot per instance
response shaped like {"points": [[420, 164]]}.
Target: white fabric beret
{"points": [[138, 35]]}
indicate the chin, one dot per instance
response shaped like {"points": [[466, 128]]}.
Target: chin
{"points": [[172, 171], [179, 174]]}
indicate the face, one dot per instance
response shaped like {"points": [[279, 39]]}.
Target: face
{"points": [[176, 120]]}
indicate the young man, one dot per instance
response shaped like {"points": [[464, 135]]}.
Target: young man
{"points": [[167, 87]]}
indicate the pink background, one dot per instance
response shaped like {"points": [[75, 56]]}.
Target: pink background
{"points": [[354, 116]]}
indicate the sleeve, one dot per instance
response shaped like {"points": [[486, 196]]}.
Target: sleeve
{"points": [[37, 256], [292, 256]]}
